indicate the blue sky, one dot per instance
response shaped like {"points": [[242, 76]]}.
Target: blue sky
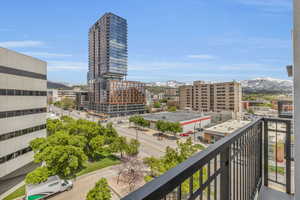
{"points": [[188, 40]]}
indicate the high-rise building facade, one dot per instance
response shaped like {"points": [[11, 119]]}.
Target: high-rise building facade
{"points": [[214, 97], [23, 102], [108, 69], [186, 97]]}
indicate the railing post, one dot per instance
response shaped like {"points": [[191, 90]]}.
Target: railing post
{"points": [[288, 156], [266, 168], [225, 177]]}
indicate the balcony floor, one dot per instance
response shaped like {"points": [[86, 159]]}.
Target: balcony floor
{"points": [[271, 194]]}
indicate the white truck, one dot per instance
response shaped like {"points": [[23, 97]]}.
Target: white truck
{"points": [[53, 185]]}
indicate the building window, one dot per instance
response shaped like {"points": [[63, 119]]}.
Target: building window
{"points": [[22, 132], [13, 92], [14, 155], [16, 113]]}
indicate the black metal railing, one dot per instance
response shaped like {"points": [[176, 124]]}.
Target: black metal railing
{"points": [[278, 159], [230, 169]]}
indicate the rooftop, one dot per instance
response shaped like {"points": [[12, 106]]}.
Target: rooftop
{"points": [[228, 126], [173, 116]]}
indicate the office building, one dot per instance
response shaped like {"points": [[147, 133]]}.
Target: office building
{"points": [[214, 97], [23, 102], [186, 97], [108, 70]]}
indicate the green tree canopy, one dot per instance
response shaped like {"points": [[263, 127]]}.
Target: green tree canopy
{"points": [[156, 105], [101, 191], [164, 126], [172, 158], [119, 145], [133, 147], [62, 153], [99, 147], [39, 175], [68, 145], [139, 121], [172, 109]]}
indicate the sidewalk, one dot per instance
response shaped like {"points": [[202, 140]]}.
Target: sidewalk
{"points": [[83, 184]]}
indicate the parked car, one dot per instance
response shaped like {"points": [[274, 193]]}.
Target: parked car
{"points": [[189, 132], [184, 134]]}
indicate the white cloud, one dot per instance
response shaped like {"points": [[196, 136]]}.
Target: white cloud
{"points": [[270, 6], [202, 56], [47, 55], [251, 67], [5, 29], [24, 43], [252, 42], [280, 3], [66, 66]]}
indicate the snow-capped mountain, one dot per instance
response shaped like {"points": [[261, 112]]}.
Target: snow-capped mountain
{"points": [[268, 85], [171, 83]]}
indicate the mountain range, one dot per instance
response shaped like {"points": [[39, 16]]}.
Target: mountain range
{"points": [[267, 85], [257, 85]]}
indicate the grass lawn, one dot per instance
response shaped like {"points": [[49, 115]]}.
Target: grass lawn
{"points": [[93, 166], [280, 170], [89, 167], [18, 193]]}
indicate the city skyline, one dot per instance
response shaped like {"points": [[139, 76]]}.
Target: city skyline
{"points": [[240, 40]]}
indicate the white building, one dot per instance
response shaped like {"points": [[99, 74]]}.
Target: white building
{"points": [[23, 95], [189, 121]]}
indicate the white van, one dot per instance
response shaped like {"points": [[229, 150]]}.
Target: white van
{"points": [[53, 185]]}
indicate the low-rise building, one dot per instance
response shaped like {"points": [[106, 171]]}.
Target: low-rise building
{"points": [[214, 133], [52, 95], [71, 94], [190, 121]]}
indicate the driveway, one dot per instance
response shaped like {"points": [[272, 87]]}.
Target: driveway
{"points": [[83, 184]]}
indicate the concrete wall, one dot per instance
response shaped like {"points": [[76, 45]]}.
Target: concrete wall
{"points": [[18, 61], [195, 123], [21, 122], [20, 142], [15, 164]]}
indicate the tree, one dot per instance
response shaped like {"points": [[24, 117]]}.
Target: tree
{"points": [[139, 121], [164, 100], [156, 105], [62, 153], [172, 109], [67, 103], [172, 158], [164, 126], [119, 145], [250, 111], [98, 147], [174, 128], [101, 191], [38, 175], [131, 172], [144, 123], [133, 148], [71, 142], [53, 125]]}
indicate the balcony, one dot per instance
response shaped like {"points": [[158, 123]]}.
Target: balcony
{"points": [[254, 162]]}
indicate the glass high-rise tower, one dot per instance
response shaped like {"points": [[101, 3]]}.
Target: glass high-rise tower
{"points": [[107, 63]]}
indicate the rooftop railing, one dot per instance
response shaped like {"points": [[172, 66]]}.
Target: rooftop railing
{"points": [[232, 168]]}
